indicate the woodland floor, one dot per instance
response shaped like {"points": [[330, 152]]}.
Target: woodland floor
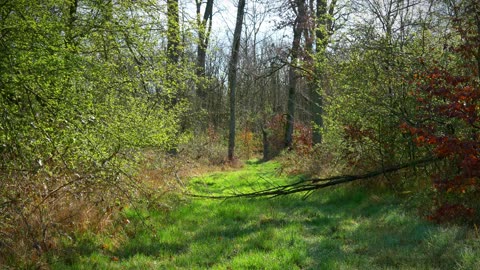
{"points": [[346, 227]]}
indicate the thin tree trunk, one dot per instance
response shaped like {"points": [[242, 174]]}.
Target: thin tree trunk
{"points": [[266, 145], [232, 76]]}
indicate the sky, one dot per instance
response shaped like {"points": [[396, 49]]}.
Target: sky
{"points": [[224, 17]]}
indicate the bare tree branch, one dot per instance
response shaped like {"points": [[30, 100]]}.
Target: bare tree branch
{"points": [[309, 185]]}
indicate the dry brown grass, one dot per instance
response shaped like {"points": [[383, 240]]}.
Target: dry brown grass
{"points": [[168, 173], [318, 162], [42, 209], [39, 210]]}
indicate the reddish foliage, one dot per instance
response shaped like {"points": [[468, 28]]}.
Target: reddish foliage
{"points": [[276, 131], [444, 98], [449, 122], [248, 142], [212, 134], [302, 138], [449, 212], [302, 135], [355, 133]]}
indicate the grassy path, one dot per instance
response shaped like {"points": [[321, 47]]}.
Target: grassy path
{"points": [[342, 228]]}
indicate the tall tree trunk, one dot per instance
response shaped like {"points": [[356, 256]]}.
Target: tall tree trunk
{"points": [[173, 32], [292, 74], [323, 31], [316, 98], [72, 18], [266, 145], [173, 57], [476, 11], [232, 76], [204, 26], [312, 81]]}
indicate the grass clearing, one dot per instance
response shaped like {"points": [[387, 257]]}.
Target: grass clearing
{"points": [[336, 228]]}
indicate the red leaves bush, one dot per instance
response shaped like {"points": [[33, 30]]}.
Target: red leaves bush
{"points": [[448, 121], [302, 135]]}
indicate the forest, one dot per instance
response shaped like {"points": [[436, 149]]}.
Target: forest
{"points": [[239, 134]]}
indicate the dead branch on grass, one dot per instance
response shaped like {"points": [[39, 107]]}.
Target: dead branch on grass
{"points": [[310, 185]]}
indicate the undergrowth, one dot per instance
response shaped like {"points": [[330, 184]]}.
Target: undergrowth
{"points": [[347, 227]]}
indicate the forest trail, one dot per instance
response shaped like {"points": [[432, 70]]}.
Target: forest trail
{"points": [[336, 228], [96, 96]]}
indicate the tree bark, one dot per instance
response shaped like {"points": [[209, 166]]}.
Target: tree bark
{"points": [[173, 57], [173, 32], [266, 145], [323, 31], [204, 29], [232, 76], [292, 73]]}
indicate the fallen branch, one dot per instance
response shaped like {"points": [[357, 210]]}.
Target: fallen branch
{"points": [[313, 184]]}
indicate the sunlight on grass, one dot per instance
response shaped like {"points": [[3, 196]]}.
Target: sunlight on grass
{"points": [[341, 228], [254, 176]]}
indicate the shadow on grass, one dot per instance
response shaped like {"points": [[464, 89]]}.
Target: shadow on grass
{"points": [[346, 230], [336, 228], [255, 162]]}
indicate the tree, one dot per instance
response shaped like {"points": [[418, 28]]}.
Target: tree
{"points": [[448, 119], [299, 8], [232, 76], [368, 92], [323, 31], [78, 93], [173, 32], [204, 28], [173, 51]]}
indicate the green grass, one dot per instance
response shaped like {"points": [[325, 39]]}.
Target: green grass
{"points": [[337, 228]]}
